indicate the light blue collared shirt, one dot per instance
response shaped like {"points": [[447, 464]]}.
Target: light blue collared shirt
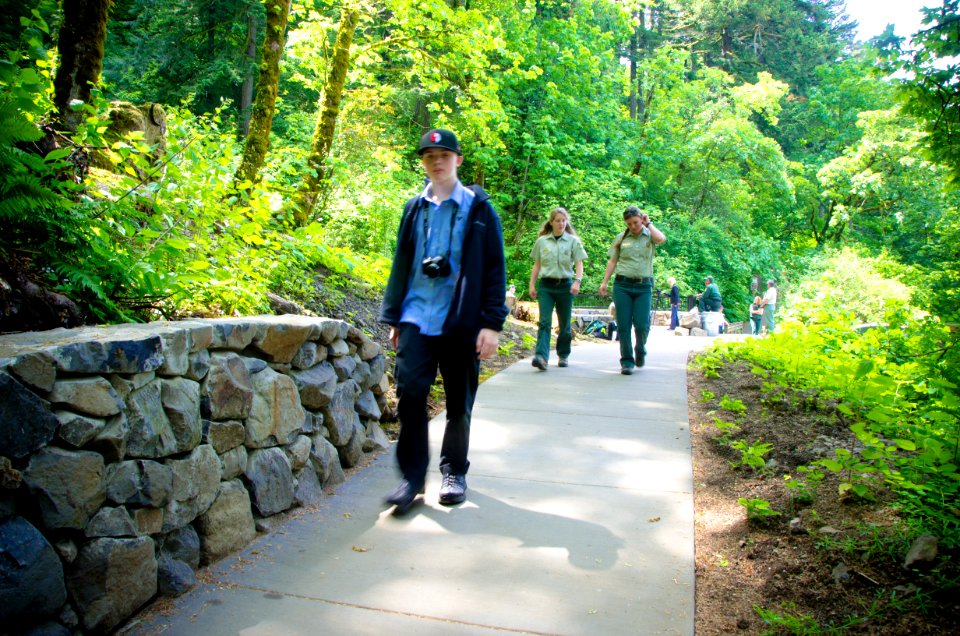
{"points": [[428, 300]]}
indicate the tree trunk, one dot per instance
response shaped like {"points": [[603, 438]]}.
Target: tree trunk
{"points": [[313, 183], [264, 105], [246, 91], [80, 48], [634, 53]]}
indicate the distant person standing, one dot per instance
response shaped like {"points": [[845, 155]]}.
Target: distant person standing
{"points": [[674, 303], [445, 306], [631, 256], [558, 257], [769, 304], [756, 311]]}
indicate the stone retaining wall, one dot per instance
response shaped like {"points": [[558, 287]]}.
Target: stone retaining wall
{"points": [[131, 455]]}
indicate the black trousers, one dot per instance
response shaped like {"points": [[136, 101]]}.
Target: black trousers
{"points": [[419, 358]]}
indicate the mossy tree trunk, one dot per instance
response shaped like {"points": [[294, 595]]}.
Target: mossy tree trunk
{"points": [[249, 76], [80, 48], [264, 104], [314, 182]]}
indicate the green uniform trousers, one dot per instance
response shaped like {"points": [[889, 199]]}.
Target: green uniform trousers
{"points": [[554, 294]]}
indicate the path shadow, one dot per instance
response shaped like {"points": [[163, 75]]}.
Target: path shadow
{"points": [[589, 546]]}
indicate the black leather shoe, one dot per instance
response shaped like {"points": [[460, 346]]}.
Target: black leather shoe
{"points": [[453, 490], [403, 495], [540, 363]]}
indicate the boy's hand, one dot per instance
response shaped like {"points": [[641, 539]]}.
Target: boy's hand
{"points": [[487, 342]]}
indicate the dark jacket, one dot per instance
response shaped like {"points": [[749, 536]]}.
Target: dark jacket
{"points": [[674, 295], [480, 292]]}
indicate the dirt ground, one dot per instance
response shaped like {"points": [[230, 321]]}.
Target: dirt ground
{"points": [[822, 565]]}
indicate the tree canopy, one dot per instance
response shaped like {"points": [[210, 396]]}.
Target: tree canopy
{"points": [[756, 132]]}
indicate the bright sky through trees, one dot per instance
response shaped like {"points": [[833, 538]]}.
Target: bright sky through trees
{"points": [[873, 16]]}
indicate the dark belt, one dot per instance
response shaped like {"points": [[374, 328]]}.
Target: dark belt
{"points": [[646, 280], [555, 281]]}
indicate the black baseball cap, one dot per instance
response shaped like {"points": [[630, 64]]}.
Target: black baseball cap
{"points": [[439, 138]]}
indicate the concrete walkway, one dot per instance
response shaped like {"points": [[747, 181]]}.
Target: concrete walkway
{"points": [[578, 520]]}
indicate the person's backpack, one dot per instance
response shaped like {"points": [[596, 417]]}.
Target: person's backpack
{"points": [[595, 328]]}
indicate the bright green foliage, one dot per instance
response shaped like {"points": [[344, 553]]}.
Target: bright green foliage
{"points": [[751, 455], [201, 247], [802, 490], [757, 509], [727, 430], [928, 81], [39, 192], [732, 405], [845, 281], [789, 621]]}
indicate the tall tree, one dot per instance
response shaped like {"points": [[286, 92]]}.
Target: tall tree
{"points": [[787, 38], [261, 119], [80, 49], [249, 78], [313, 181]]}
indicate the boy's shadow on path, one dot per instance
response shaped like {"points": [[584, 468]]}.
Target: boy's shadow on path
{"points": [[589, 546]]}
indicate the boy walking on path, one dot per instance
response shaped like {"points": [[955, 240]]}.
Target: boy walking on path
{"points": [[445, 304]]}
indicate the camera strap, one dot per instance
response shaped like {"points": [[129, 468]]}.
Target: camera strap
{"points": [[425, 211]]}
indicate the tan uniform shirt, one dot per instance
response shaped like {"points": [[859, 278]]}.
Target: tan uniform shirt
{"points": [[558, 256], [635, 257]]}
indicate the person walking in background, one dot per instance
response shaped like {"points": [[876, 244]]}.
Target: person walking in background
{"points": [[769, 304], [511, 300], [756, 311], [710, 299], [674, 303], [631, 257], [444, 303], [558, 257]]}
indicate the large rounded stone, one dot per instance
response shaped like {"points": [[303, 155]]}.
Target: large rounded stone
{"points": [[111, 579], [26, 424], [31, 577], [69, 486]]}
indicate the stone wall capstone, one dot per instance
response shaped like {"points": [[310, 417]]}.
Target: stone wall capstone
{"points": [[132, 454]]}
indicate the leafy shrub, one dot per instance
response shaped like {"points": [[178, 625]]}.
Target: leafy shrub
{"points": [[846, 281], [897, 389]]}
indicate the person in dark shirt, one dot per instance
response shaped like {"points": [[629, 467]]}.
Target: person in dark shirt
{"points": [[674, 303], [710, 298]]}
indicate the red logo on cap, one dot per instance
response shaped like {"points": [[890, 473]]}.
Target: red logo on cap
{"points": [[435, 137]]}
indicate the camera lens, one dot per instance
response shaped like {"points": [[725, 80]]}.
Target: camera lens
{"points": [[435, 267]]}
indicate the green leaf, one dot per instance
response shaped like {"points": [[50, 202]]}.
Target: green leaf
{"points": [[177, 243], [198, 265], [832, 465], [878, 415], [905, 444], [59, 153]]}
